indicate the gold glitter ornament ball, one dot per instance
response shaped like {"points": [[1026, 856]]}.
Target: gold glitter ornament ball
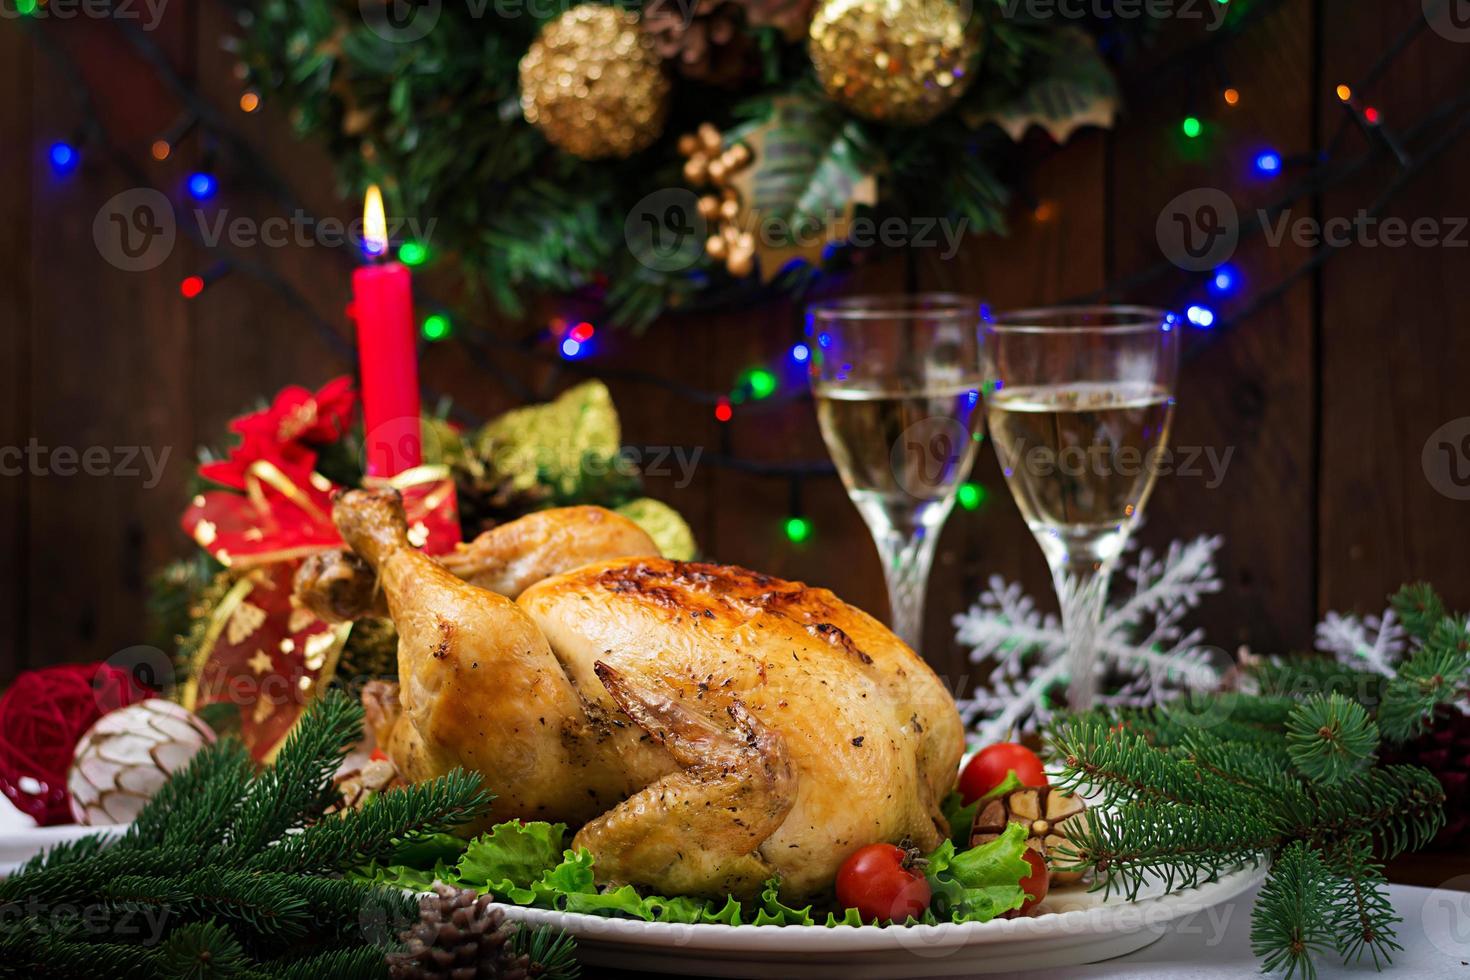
{"points": [[894, 61], [592, 83]]}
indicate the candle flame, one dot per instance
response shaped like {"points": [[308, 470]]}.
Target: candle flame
{"points": [[374, 223]]}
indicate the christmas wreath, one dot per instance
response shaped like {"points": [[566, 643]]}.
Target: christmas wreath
{"points": [[652, 154]]}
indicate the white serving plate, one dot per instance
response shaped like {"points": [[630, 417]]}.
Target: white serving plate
{"points": [[1081, 927]]}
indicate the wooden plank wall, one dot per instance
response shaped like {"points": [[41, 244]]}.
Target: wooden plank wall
{"points": [[1325, 398]]}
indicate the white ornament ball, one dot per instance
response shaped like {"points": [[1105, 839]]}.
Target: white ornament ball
{"points": [[127, 756]]}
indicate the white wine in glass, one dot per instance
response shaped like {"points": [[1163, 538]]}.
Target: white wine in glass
{"points": [[897, 387], [1080, 402]]}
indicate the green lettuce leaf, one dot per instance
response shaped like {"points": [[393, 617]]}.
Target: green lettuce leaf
{"points": [[772, 912], [961, 818], [981, 883], [511, 858]]}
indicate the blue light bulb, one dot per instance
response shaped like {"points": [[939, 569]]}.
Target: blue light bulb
{"points": [[64, 158], [202, 186]]}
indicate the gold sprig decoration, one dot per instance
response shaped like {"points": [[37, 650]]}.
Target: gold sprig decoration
{"points": [[709, 163], [894, 61], [593, 85]]}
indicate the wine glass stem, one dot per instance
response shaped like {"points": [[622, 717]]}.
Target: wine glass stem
{"points": [[906, 562], [1083, 593]]}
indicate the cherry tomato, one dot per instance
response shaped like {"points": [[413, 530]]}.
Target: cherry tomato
{"points": [[991, 764], [881, 883], [1035, 884]]}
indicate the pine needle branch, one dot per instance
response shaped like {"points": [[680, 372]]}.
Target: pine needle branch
{"points": [[1433, 677], [355, 837], [1291, 922], [299, 785], [1329, 738], [1120, 766], [1362, 917], [1134, 843], [1401, 807], [1420, 609]]}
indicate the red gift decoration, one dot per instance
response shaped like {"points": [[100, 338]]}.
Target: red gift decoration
{"points": [[262, 651]]}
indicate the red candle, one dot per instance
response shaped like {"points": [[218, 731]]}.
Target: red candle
{"points": [[382, 299]]}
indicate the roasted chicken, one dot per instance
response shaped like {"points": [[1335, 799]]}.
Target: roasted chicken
{"points": [[704, 726]]}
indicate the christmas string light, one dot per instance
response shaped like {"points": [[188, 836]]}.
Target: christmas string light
{"points": [[798, 529], [190, 287], [202, 185], [413, 253], [64, 157], [1268, 163], [971, 496], [1224, 281], [436, 327], [1322, 175]]}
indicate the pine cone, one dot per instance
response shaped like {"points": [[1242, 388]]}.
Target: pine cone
{"points": [[704, 40], [1445, 751], [488, 498], [459, 936]]}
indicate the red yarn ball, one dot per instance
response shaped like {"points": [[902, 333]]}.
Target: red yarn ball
{"points": [[42, 717]]}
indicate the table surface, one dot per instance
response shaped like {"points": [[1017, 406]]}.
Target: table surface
{"points": [[1215, 945]]}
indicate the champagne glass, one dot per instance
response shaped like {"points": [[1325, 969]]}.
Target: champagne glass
{"points": [[1080, 401], [897, 386]]}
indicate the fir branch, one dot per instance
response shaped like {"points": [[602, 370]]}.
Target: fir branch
{"points": [[349, 963], [1134, 843], [299, 786], [355, 837], [1290, 923], [1302, 675], [1419, 607], [1263, 774], [1434, 676], [1402, 807], [554, 952], [200, 950], [1362, 918], [1329, 738], [1120, 766], [195, 806]]}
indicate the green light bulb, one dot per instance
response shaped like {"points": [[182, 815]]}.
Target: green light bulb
{"points": [[798, 529], [1191, 127], [436, 327], [762, 383], [971, 495], [412, 253]]}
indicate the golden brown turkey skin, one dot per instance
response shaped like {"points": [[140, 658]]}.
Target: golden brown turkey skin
{"points": [[705, 726], [871, 734]]}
